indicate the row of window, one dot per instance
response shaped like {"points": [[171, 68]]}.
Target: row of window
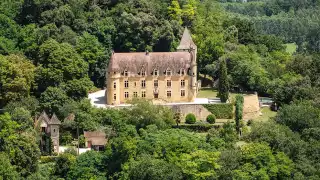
{"points": [[143, 83], [143, 94], [155, 72]]}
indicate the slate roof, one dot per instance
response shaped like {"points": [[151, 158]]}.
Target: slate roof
{"points": [[186, 41], [54, 119], [134, 63]]}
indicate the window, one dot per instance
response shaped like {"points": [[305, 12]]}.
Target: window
{"points": [[182, 83], [182, 72], [54, 130], [143, 94], [126, 84], [135, 94], [114, 85], [143, 83], [168, 83], [168, 72], [126, 95], [43, 129], [183, 93], [114, 96], [168, 94], [125, 73], [155, 83], [135, 84], [143, 73], [155, 72]]}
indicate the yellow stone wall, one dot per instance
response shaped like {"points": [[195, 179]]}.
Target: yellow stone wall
{"points": [[135, 86]]}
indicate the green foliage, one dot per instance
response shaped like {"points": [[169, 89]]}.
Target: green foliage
{"points": [[239, 111], [53, 99], [63, 164], [211, 118], [16, 78], [221, 111], [299, 116], [47, 159], [147, 167], [143, 113], [7, 171], [197, 127], [190, 118], [88, 165], [223, 82]]}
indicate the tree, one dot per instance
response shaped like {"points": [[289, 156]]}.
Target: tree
{"points": [[53, 99], [7, 171], [199, 164], [88, 165], [146, 167], [63, 164], [23, 118], [16, 78], [223, 82], [299, 116], [59, 63], [93, 52], [238, 111]]}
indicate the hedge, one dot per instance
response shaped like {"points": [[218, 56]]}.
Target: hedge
{"points": [[47, 159], [197, 127], [221, 111]]}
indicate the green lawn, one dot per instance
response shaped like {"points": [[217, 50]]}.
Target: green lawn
{"points": [[266, 114], [291, 48], [212, 93], [207, 93]]}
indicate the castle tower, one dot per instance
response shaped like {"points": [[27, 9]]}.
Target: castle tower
{"points": [[187, 44], [54, 132]]}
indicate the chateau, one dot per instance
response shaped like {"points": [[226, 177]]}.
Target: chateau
{"points": [[164, 76]]}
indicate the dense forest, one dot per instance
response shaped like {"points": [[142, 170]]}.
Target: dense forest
{"points": [[54, 52]]}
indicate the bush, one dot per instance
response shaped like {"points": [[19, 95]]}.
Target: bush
{"points": [[47, 159], [190, 118], [197, 127], [221, 111], [211, 118]]}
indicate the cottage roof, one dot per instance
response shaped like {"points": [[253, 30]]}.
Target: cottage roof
{"points": [[96, 137], [186, 41], [148, 62], [54, 119]]}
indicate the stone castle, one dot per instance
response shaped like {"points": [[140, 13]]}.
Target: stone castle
{"points": [[164, 76]]}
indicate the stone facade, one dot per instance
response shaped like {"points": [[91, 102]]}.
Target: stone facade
{"points": [[167, 76], [198, 110], [49, 126]]}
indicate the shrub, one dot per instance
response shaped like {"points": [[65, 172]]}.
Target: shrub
{"points": [[197, 127], [211, 118], [221, 111], [190, 118]]}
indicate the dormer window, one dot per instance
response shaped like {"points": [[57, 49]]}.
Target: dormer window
{"points": [[168, 72], [182, 72], [125, 73], [155, 72], [143, 72]]}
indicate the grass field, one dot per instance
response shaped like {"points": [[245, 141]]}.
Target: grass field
{"points": [[266, 114], [212, 93], [291, 48]]}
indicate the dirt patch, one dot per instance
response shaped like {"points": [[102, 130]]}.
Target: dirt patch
{"points": [[251, 107]]}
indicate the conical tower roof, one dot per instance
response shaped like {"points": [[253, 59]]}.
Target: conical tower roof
{"points": [[186, 40], [54, 119]]}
